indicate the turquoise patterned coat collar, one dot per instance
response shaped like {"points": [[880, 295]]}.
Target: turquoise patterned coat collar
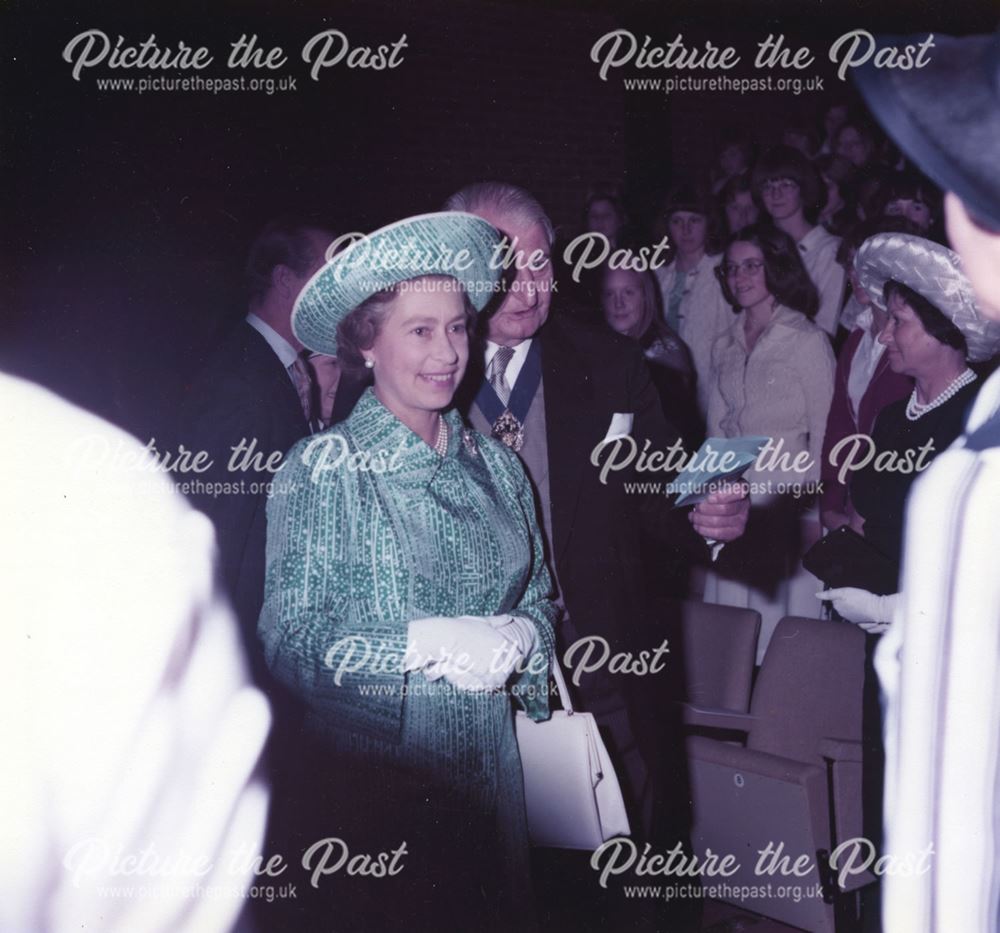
{"points": [[377, 439]]}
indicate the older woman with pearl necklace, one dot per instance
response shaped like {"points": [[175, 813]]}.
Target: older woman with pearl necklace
{"points": [[935, 329]]}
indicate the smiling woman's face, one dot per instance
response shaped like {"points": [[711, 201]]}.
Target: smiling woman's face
{"points": [[422, 348], [623, 301], [744, 270]]}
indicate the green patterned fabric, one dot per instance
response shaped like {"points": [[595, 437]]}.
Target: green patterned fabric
{"points": [[353, 555]]}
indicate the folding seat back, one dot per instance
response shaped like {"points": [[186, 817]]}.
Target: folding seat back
{"points": [[719, 646], [802, 742]]}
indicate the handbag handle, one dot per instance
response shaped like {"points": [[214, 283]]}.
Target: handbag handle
{"points": [[557, 674]]}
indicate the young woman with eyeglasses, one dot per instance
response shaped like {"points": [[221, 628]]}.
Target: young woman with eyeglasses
{"points": [[792, 193], [772, 376]]}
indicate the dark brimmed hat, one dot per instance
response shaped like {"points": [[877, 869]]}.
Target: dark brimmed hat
{"points": [[934, 272], [945, 115], [448, 243]]}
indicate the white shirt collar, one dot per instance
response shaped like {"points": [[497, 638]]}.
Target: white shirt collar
{"points": [[813, 238], [709, 261], [282, 348], [516, 361], [864, 319]]}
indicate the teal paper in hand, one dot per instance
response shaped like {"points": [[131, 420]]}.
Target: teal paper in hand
{"points": [[718, 459]]}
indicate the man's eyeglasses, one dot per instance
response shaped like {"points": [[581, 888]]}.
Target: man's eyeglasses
{"points": [[749, 266], [779, 186]]}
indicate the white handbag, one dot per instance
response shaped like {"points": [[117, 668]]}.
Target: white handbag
{"points": [[571, 791]]}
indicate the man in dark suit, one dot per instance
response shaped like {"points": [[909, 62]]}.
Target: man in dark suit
{"points": [[255, 397], [553, 389], [248, 405]]}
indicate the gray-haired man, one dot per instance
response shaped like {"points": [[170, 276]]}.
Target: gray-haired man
{"points": [[554, 389]]}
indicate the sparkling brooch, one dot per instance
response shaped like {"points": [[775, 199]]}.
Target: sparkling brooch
{"points": [[508, 430]]}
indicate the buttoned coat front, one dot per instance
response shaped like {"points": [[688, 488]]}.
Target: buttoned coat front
{"points": [[781, 389], [368, 529]]}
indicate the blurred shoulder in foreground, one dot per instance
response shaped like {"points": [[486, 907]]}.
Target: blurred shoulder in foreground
{"points": [[131, 794]]}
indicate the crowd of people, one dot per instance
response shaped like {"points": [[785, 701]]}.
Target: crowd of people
{"points": [[423, 535], [759, 324], [807, 298], [832, 248]]}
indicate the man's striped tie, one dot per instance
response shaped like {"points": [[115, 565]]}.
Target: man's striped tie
{"points": [[498, 373]]}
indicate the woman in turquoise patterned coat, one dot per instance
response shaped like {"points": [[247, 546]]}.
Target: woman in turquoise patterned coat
{"points": [[407, 598]]}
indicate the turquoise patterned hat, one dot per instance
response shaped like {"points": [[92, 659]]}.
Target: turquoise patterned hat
{"points": [[451, 243]]}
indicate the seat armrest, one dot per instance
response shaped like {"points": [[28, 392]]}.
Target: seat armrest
{"points": [[703, 750], [715, 718], [840, 749], [845, 760]]}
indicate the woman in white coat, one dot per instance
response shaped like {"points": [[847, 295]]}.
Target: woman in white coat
{"points": [[772, 375]]}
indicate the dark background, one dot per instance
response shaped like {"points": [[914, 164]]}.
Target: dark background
{"points": [[125, 218]]}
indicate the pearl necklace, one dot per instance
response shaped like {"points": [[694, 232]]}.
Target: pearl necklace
{"points": [[915, 409], [441, 444]]}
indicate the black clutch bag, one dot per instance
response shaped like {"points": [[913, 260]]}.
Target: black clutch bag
{"points": [[845, 558]]}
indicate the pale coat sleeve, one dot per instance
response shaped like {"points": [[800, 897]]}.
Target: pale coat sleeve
{"points": [[131, 725]]}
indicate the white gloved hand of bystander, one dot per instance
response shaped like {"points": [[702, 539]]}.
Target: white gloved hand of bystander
{"points": [[868, 611]]}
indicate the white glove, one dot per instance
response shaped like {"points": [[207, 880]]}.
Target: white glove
{"points": [[870, 612], [519, 631], [521, 636], [468, 651]]}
